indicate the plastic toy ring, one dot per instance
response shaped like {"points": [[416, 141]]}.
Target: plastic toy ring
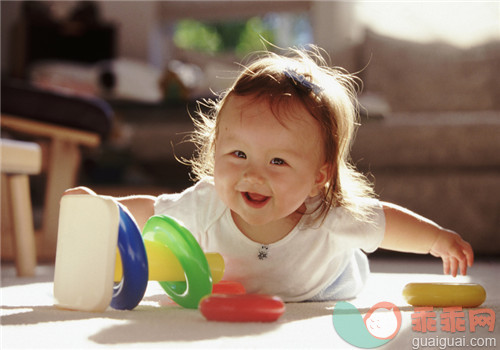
{"points": [[166, 230], [444, 294], [130, 290], [242, 307]]}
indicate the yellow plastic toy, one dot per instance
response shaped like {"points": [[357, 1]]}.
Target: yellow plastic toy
{"points": [[164, 266], [444, 294]]}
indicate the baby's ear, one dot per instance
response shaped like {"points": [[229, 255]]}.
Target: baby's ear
{"points": [[322, 177]]}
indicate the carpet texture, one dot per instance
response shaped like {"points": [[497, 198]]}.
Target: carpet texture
{"points": [[29, 319]]}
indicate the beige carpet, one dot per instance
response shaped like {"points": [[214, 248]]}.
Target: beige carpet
{"points": [[29, 319]]}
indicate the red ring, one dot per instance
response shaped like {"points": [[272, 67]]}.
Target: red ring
{"points": [[242, 307]]}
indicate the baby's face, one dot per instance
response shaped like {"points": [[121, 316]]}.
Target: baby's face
{"points": [[264, 170]]}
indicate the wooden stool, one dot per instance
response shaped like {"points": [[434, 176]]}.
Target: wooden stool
{"points": [[61, 166], [61, 124], [18, 160]]}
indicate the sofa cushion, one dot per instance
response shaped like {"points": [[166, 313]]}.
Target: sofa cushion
{"points": [[83, 113]]}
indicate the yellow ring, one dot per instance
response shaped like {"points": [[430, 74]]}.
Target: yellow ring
{"points": [[444, 294]]}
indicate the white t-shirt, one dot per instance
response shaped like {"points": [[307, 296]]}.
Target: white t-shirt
{"points": [[301, 266]]}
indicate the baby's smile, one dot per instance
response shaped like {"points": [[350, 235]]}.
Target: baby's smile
{"points": [[255, 200]]}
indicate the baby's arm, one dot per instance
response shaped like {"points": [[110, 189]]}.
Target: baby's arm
{"points": [[408, 232], [140, 206]]}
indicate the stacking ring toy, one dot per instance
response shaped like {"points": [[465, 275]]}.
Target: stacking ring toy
{"points": [[167, 231], [242, 307], [130, 290], [444, 294]]}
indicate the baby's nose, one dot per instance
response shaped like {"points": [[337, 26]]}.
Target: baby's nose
{"points": [[253, 176]]}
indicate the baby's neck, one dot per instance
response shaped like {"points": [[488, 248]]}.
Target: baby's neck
{"points": [[267, 233]]}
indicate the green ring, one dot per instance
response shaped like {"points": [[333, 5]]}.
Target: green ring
{"points": [[168, 231]]}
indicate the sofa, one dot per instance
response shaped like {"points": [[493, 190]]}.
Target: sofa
{"points": [[435, 146]]}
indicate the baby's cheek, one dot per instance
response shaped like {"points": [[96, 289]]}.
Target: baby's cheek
{"points": [[293, 199]]}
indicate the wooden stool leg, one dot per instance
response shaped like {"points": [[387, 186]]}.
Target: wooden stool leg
{"points": [[7, 241], [63, 166], [22, 220]]}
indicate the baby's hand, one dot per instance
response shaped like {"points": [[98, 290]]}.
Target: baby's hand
{"points": [[454, 251], [79, 190]]}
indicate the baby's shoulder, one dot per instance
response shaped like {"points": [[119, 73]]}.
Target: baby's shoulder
{"points": [[205, 195]]}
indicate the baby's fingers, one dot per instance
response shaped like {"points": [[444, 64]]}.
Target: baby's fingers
{"points": [[453, 266], [469, 253], [79, 190], [463, 267], [446, 265], [463, 256], [467, 260]]}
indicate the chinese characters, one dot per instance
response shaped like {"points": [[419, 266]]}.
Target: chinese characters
{"points": [[452, 320]]}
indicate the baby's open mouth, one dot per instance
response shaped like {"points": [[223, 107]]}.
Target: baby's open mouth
{"points": [[254, 199]]}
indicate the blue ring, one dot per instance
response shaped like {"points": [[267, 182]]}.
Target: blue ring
{"points": [[130, 290]]}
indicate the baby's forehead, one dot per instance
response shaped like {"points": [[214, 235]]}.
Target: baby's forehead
{"points": [[287, 111], [242, 121]]}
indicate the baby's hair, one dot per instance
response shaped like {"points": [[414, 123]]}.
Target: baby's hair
{"points": [[328, 94]]}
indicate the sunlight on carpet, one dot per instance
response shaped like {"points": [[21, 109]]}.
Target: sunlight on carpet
{"points": [[29, 319]]}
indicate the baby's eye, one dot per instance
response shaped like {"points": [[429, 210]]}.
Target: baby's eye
{"points": [[278, 161], [240, 154]]}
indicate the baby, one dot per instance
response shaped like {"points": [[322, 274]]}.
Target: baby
{"points": [[276, 195]]}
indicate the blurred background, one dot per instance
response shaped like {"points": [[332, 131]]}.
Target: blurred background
{"points": [[430, 100]]}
